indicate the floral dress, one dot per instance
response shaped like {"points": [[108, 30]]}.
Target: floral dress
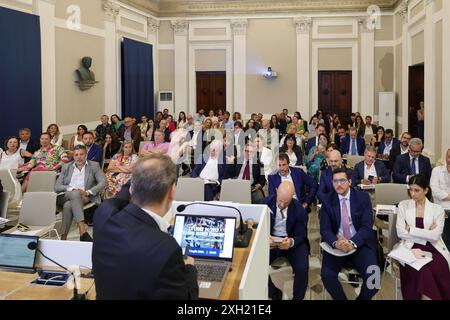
{"points": [[117, 179]]}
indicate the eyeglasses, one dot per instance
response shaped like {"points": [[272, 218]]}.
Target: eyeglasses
{"points": [[340, 181]]}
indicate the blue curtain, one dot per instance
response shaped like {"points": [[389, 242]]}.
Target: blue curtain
{"points": [[20, 73], [137, 79]]}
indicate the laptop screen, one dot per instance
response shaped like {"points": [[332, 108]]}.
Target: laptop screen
{"points": [[15, 254], [207, 237]]}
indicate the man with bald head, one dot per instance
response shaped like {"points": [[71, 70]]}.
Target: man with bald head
{"points": [[288, 237], [334, 160]]}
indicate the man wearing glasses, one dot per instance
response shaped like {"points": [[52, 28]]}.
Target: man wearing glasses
{"points": [[346, 222], [412, 163]]}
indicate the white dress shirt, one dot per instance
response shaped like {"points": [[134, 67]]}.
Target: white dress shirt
{"points": [[279, 228], [440, 185], [292, 159], [352, 228], [210, 172], [403, 151], [368, 131], [24, 144], [288, 178], [77, 180], [388, 147], [162, 224], [266, 159], [370, 171]]}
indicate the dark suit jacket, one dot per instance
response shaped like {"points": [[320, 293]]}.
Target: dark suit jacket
{"points": [[395, 144], [402, 168], [362, 218], [95, 153], [300, 180], [135, 135], [297, 219], [133, 259], [258, 178], [311, 143], [380, 168], [362, 130], [346, 145], [395, 152], [326, 183], [337, 140], [32, 147], [298, 154]]}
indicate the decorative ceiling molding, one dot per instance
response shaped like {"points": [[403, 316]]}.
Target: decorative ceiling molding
{"points": [[239, 26], [111, 10], [175, 8], [180, 27], [153, 25]]}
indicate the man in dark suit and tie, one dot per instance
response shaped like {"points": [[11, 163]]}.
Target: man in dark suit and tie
{"points": [[133, 256], [289, 237], [27, 143], [370, 170], [412, 163], [94, 151], [353, 145], [339, 136], [298, 177], [334, 160], [250, 169], [346, 221], [314, 141]]}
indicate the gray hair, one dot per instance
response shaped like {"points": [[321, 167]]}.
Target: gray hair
{"points": [[416, 141], [152, 179], [79, 147], [370, 149]]}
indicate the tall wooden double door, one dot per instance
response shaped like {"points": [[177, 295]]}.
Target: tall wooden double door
{"points": [[211, 90]]}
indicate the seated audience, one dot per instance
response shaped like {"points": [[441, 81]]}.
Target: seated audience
{"points": [[182, 120], [378, 138], [57, 137], [116, 122], [150, 130], [12, 157], [292, 130], [172, 125], [212, 169], [402, 149], [27, 143], [94, 151], [164, 128], [370, 170], [334, 160], [143, 126], [412, 163], [227, 123], [103, 128], [293, 151], [110, 148], [368, 128], [130, 132], [315, 157], [264, 156], [386, 145], [200, 115], [314, 141], [419, 226], [298, 177], [353, 145], [289, 221], [81, 182], [359, 122], [78, 138], [120, 168], [157, 146], [346, 221], [340, 136]]}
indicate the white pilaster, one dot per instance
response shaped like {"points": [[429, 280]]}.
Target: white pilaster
{"points": [[45, 9], [430, 81], [152, 38], [180, 28], [445, 78], [405, 64], [367, 68], [303, 27], [110, 57], [239, 28]]}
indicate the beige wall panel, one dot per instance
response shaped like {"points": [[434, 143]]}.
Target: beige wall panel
{"points": [[438, 107], [131, 24], [398, 79], [386, 32], [14, 4], [271, 42], [131, 36], [418, 52], [165, 33], [210, 32], [335, 29], [92, 13], [398, 26], [210, 60], [438, 5], [166, 70], [335, 59], [416, 10], [73, 105], [383, 72]]}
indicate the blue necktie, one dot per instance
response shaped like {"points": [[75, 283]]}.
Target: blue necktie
{"points": [[353, 150], [413, 167]]}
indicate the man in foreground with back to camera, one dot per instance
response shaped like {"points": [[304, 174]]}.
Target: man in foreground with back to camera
{"points": [[133, 255]]}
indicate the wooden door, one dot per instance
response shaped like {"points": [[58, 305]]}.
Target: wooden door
{"points": [[211, 90], [415, 95], [335, 93]]}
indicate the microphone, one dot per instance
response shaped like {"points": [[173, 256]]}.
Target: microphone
{"points": [[34, 246], [244, 233]]}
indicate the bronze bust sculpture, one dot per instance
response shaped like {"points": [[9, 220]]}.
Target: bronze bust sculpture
{"points": [[86, 77]]}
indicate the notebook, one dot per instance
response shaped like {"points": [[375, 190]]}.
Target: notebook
{"points": [[18, 252], [210, 240]]}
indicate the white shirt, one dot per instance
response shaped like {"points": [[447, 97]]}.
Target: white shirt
{"points": [[288, 178], [210, 171], [236, 138], [388, 147], [266, 159], [368, 131], [24, 144], [162, 224], [404, 151], [352, 228], [77, 180], [292, 159], [193, 141], [370, 171], [10, 161], [279, 228], [440, 185]]}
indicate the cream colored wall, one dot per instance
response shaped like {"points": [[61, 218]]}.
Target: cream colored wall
{"points": [[210, 60], [165, 33], [417, 48], [166, 70], [438, 5], [398, 26], [75, 106], [335, 29], [386, 31], [398, 83], [92, 13], [271, 42], [210, 32], [439, 106], [384, 73], [335, 59], [416, 10], [15, 5], [131, 24], [124, 34]]}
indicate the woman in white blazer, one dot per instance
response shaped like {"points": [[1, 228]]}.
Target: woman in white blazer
{"points": [[419, 226]]}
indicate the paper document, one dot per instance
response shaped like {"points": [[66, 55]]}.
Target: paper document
{"points": [[385, 209], [406, 256], [335, 252], [366, 186]]}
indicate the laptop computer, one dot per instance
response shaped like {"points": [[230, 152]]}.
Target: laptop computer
{"points": [[211, 241], [16, 254]]}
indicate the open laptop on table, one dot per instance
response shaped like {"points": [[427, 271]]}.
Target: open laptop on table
{"points": [[211, 241], [16, 253]]}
